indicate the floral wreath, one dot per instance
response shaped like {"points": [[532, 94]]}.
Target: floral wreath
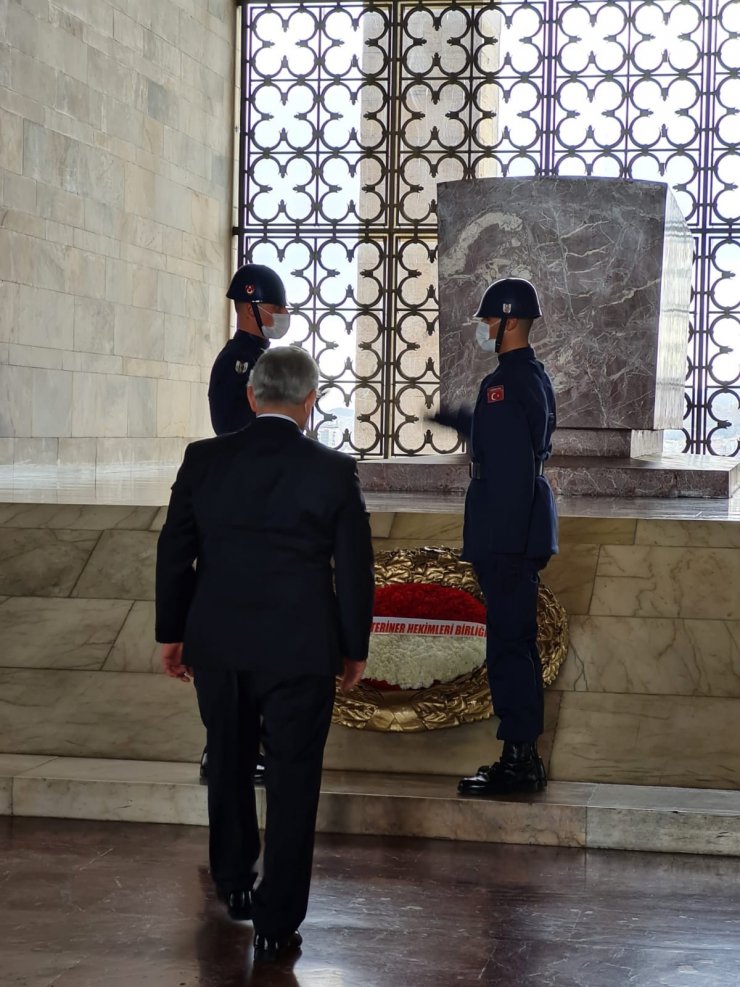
{"points": [[426, 668]]}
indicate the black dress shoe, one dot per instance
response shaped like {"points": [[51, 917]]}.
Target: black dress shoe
{"points": [[203, 774], [276, 947], [259, 770], [238, 904], [520, 769]]}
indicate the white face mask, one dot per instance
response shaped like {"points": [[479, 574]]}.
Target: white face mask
{"points": [[279, 327], [482, 331]]}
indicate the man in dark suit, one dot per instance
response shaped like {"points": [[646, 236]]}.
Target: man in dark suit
{"points": [[264, 624]]}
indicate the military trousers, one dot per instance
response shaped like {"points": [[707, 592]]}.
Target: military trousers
{"points": [[291, 719], [510, 584]]}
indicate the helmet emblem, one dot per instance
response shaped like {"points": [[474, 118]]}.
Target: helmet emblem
{"points": [[250, 289], [507, 308]]}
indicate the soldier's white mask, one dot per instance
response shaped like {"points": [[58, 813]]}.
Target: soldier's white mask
{"points": [[279, 327], [482, 333]]}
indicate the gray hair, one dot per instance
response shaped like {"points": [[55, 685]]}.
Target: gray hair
{"points": [[285, 375]]}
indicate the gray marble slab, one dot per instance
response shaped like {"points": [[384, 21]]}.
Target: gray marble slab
{"points": [[570, 476], [135, 649], [41, 632], [99, 714], [71, 517], [42, 562], [121, 567], [611, 259], [613, 442]]}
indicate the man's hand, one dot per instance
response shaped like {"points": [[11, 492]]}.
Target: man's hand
{"points": [[172, 662], [353, 672]]}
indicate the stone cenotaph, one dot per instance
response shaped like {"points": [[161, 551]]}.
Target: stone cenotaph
{"points": [[612, 262]]}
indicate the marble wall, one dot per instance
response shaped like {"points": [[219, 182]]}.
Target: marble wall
{"points": [[115, 191], [649, 693], [612, 262]]}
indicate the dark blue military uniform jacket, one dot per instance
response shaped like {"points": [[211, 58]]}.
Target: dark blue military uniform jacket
{"points": [[227, 390], [510, 508]]}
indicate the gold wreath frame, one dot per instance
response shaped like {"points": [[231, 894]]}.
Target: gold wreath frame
{"points": [[466, 698]]}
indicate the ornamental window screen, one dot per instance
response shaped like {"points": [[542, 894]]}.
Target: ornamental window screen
{"points": [[350, 114]]}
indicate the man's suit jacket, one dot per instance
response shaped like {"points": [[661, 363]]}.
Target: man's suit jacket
{"points": [[244, 574]]}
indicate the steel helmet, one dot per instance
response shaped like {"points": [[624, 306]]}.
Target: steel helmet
{"points": [[257, 283], [510, 298]]}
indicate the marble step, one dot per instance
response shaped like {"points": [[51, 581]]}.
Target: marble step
{"points": [[663, 476], [575, 814]]}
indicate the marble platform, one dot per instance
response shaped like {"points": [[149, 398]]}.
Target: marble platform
{"points": [[570, 476], [566, 814], [30, 493], [649, 693]]}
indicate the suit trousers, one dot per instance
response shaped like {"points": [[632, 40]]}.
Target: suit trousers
{"points": [[510, 585], [291, 717]]}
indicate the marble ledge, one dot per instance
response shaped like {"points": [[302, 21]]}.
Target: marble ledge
{"points": [[567, 814], [149, 487], [664, 477], [638, 508]]}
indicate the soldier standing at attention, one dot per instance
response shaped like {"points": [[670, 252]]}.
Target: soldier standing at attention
{"points": [[259, 299], [511, 526]]}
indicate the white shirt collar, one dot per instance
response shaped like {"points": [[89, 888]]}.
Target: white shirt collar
{"points": [[274, 414]]}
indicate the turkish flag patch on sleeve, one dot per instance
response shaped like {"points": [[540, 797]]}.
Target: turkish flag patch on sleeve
{"points": [[494, 394]]}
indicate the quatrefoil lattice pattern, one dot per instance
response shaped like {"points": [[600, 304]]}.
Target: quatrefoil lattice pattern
{"points": [[352, 112]]}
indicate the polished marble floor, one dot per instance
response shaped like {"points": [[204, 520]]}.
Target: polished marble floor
{"points": [[145, 486], [86, 904]]}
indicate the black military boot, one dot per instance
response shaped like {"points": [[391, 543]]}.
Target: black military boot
{"points": [[259, 770], [520, 769]]}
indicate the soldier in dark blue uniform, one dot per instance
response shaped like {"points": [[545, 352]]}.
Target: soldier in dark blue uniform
{"points": [[259, 299], [510, 528]]}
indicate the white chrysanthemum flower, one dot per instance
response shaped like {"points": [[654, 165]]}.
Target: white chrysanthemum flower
{"points": [[416, 661]]}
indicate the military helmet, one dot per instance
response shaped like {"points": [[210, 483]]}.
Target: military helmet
{"points": [[257, 283], [509, 298]]}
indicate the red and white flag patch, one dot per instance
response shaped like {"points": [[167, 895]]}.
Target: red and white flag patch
{"points": [[494, 394]]}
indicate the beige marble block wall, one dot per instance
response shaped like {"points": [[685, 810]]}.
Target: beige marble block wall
{"points": [[77, 626], [649, 692], [115, 247]]}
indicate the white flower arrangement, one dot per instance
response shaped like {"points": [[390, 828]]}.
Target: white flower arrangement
{"points": [[416, 661]]}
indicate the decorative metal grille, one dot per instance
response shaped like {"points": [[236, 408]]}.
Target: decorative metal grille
{"points": [[352, 112]]}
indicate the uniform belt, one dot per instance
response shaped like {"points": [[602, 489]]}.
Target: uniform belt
{"points": [[476, 470]]}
